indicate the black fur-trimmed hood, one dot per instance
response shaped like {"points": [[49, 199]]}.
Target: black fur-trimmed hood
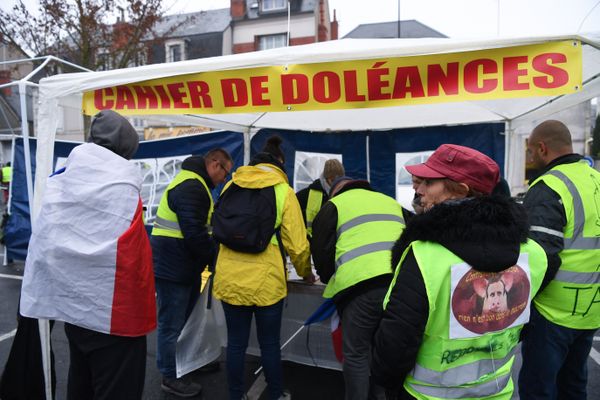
{"points": [[485, 232]]}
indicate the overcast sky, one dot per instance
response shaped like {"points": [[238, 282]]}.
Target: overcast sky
{"points": [[454, 18]]}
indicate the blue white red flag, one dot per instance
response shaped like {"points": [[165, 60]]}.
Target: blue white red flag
{"points": [[328, 310], [89, 261]]}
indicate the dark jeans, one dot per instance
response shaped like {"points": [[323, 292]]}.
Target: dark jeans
{"points": [[105, 367], [553, 353], [268, 330], [360, 318], [175, 302]]}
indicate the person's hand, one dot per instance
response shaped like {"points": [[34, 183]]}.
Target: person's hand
{"points": [[310, 278]]}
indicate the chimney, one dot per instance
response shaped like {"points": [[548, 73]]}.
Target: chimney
{"points": [[5, 78], [322, 29], [237, 9], [334, 28]]}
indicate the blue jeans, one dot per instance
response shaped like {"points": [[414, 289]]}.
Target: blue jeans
{"points": [[553, 353], [175, 303], [268, 330]]}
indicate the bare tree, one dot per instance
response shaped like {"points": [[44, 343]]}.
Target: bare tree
{"points": [[96, 34]]}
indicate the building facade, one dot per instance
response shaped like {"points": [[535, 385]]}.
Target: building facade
{"points": [[263, 24]]}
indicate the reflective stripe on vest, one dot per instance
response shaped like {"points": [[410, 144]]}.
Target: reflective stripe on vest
{"points": [[368, 225], [578, 241], [572, 298], [463, 360], [313, 205], [166, 222], [363, 219], [477, 391], [462, 374]]}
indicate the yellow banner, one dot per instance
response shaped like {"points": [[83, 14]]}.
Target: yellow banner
{"points": [[536, 70]]}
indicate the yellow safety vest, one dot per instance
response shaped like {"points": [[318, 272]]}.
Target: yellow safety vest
{"points": [[369, 223], [572, 298], [313, 205], [166, 222], [463, 354], [6, 174]]}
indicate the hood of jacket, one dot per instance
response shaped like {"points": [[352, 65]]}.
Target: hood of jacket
{"points": [[485, 232], [259, 176], [114, 132]]}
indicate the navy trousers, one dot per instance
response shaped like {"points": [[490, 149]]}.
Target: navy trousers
{"points": [[268, 331]]}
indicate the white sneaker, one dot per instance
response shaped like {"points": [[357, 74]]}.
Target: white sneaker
{"points": [[285, 395]]}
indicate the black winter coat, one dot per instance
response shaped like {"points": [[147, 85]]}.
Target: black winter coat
{"points": [[182, 260], [485, 232]]}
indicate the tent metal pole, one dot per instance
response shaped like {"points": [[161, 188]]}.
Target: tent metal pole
{"points": [[9, 198], [368, 158], [44, 330], [247, 145], [507, 143], [26, 150], [43, 324]]}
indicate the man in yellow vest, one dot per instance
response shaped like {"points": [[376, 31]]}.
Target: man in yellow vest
{"points": [[353, 235], [465, 274], [182, 248], [6, 178], [313, 197], [563, 204]]}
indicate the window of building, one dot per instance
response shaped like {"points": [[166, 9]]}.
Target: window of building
{"points": [[272, 41], [175, 50], [140, 58], [271, 5]]}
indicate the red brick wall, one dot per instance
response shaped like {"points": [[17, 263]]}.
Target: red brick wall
{"points": [[302, 40], [243, 48], [238, 9]]}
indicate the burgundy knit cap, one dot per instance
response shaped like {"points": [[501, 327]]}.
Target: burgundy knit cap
{"points": [[461, 164]]}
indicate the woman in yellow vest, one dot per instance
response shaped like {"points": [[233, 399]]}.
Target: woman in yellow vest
{"points": [[465, 274]]}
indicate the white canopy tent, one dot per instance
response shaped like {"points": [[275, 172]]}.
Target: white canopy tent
{"points": [[67, 90]]}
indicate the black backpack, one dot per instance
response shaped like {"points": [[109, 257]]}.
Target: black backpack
{"points": [[244, 219]]}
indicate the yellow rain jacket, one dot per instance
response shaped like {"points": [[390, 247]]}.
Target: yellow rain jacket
{"points": [[247, 279]]}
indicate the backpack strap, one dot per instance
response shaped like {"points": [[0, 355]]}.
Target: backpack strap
{"points": [[281, 190]]}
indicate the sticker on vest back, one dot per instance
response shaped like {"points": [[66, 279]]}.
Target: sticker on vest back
{"points": [[483, 302]]}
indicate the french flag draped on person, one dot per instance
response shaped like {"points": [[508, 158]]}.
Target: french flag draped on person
{"points": [[89, 261]]}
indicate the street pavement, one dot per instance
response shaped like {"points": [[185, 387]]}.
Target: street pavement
{"points": [[304, 382]]}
